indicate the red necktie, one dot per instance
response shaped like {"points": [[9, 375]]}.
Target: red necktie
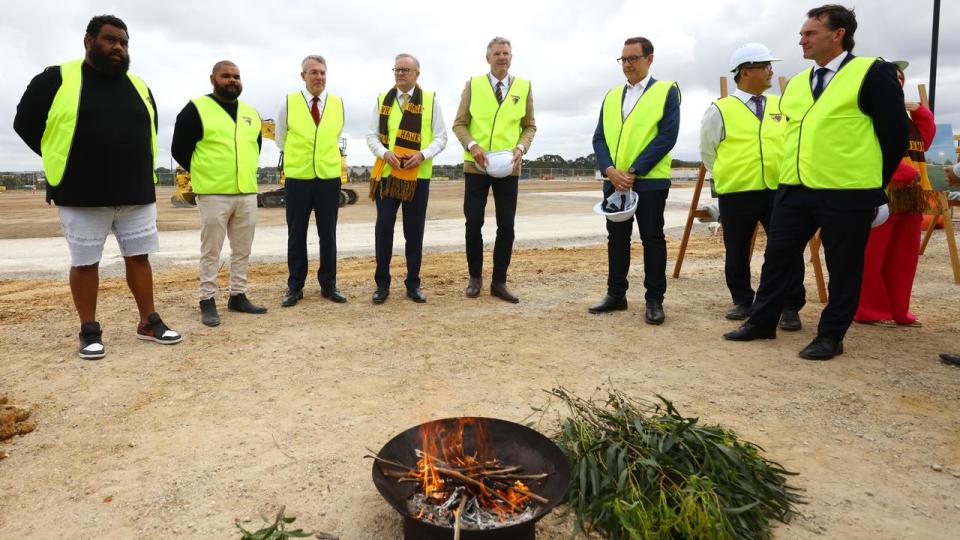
{"points": [[315, 110]]}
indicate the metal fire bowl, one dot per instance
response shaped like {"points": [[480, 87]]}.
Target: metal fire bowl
{"points": [[512, 444]]}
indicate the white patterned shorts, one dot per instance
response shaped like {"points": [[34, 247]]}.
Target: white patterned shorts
{"points": [[86, 229]]}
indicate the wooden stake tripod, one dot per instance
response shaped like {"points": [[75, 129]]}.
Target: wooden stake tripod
{"points": [[695, 212]]}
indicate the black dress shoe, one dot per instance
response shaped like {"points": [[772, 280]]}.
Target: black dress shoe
{"points": [[654, 313], [208, 312], [501, 291], [750, 332], [380, 295], [416, 295], [822, 348], [952, 359], [473, 287], [291, 297], [738, 313], [240, 303], [790, 321], [608, 304], [334, 295]]}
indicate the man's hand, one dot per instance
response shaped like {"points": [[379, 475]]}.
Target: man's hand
{"points": [[392, 160], [517, 157], [479, 157], [912, 105], [622, 181], [413, 161]]}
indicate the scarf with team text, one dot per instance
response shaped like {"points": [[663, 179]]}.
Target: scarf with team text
{"points": [[400, 183]]}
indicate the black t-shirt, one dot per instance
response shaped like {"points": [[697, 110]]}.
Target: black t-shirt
{"points": [[110, 161]]}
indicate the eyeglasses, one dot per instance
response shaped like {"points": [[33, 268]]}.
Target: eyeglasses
{"points": [[761, 65], [403, 71], [630, 59]]}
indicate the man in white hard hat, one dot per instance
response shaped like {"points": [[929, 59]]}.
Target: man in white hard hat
{"points": [[741, 144]]}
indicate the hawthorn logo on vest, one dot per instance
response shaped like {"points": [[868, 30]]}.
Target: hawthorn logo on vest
{"points": [[776, 117], [248, 120], [515, 98]]}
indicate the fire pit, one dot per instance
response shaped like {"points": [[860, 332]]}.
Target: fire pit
{"points": [[498, 476]]}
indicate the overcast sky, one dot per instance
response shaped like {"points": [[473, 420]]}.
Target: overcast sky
{"points": [[566, 48]]}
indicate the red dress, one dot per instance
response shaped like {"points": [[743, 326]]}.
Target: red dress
{"points": [[893, 249]]}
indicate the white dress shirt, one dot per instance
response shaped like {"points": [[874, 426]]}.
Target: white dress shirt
{"points": [[833, 66], [631, 95], [280, 135], [439, 129], [712, 131], [504, 89]]}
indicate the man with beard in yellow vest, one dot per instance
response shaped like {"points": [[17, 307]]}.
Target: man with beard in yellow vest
{"points": [[495, 118], [308, 133], [95, 125], [217, 138], [741, 144], [846, 133], [638, 126], [406, 131]]}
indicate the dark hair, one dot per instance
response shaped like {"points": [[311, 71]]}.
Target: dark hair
{"points": [[220, 64], [96, 23], [645, 44], [835, 17]]}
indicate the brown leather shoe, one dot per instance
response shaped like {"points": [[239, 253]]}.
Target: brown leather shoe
{"points": [[501, 291], [473, 287]]}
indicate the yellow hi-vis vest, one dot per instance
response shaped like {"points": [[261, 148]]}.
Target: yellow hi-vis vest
{"points": [[425, 170], [62, 121], [225, 160], [312, 150], [830, 143], [496, 126], [748, 157], [626, 138]]}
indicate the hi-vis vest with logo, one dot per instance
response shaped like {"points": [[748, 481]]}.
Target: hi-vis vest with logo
{"points": [[225, 160], [626, 138], [312, 150], [830, 143], [748, 157], [496, 126], [62, 121], [425, 170]]}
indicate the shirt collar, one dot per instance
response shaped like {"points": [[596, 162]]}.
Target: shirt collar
{"points": [[640, 85], [494, 80], [834, 64], [309, 97], [744, 96]]}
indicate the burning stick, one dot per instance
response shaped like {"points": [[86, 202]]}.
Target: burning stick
{"points": [[457, 515]]}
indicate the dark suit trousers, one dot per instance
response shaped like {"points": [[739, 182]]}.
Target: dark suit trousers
{"points": [[475, 190], [739, 214], [322, 198], [649, 218], [844, 232], [414, 216]]}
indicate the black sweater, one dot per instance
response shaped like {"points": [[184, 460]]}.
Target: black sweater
{"points": [[110, 161], [188, 131]]}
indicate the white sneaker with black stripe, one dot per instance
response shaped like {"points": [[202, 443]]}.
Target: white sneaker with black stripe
{"points": [[91, 341]]}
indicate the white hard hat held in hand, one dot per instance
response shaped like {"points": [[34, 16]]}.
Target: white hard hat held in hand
{"points": [[619, 206], [499, 164], [751, 52]]}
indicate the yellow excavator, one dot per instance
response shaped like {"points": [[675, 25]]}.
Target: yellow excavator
{"points": [[184, 197]]}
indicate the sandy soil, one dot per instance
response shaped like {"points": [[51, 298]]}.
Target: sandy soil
{"points": [[263, 411]]}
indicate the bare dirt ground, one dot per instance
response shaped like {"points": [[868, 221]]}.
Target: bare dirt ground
{"points": [[177, 442]]}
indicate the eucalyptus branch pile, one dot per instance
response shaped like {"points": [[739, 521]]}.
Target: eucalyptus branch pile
{"points": [[643, 471]]}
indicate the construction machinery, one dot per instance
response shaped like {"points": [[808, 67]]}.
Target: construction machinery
{"points": [[184, 197]]}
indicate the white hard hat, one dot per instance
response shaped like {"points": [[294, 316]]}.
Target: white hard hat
{"points": [[751, 52], [880, 215], [619, 206], [499, 164]]}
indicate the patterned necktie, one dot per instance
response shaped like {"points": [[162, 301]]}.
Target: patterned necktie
{"points": [[315, 110], [757, 106], [499, 92], [403, 100], [818, 87]]}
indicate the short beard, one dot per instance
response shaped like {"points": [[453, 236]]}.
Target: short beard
{"points": [[227, 93], [103, 64]]}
